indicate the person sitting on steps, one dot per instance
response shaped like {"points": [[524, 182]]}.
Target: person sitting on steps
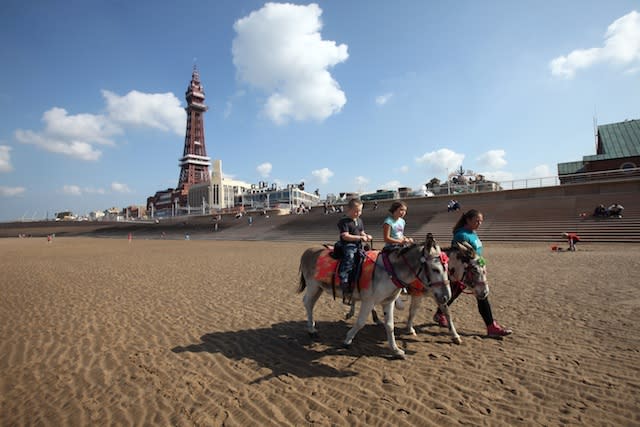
{"points": [[352, 236]]}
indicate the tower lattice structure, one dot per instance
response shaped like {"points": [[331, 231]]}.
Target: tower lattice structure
{"points": [[194, 163]]}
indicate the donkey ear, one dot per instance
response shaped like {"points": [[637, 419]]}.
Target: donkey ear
{"points": [[429, 241]]}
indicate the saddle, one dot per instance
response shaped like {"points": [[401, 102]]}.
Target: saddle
{"points": [[327, 268]]}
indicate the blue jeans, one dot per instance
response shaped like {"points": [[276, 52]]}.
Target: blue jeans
{"points": [[349, 251]]}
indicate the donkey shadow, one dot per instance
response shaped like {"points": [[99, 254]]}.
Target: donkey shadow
{"points": [[287, 349]]}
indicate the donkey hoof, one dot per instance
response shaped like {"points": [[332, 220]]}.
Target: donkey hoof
{"points": [[399, 355], [456, 340], [314, 335], [345, 345]]}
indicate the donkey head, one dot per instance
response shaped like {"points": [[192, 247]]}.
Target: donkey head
{"points": [[468, 267], [435, 264]]}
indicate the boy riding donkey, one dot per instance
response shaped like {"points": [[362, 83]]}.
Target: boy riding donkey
{"points": [[352, 235]]}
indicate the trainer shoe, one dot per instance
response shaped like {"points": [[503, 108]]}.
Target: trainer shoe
{"points": [[347, 293], [494, 330], [441, 319]]}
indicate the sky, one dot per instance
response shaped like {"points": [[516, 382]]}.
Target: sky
{"points": [[341, 95]]}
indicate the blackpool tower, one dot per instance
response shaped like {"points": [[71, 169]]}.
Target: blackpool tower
{"points": [[194, 163]]}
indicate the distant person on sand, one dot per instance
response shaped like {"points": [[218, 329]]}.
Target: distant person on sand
{"points": [[572, 238], [465, 231], [352, 235], [393, 226]]}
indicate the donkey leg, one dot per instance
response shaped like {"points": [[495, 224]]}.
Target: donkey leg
{"points": [[444, 308], [363, 315], [413, 309], [352, 310], [309, 300], [389, 325]]}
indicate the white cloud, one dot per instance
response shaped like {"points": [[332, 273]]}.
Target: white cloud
{"points": [[541, 171], [403, 169], [90, 190], [5, 159], [441, 160], [155, 110], [493, 159], [390, 185], [279, 49], [361, 183], [77, 149], [72, 190], [76, 135], [264, 169], [11, 191], [120, 188], [498, 176], [73, 135], [621, 46], [322, 175], [383, 99]]}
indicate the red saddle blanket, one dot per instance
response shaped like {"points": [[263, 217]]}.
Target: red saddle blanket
{"points": [[327, 269]]}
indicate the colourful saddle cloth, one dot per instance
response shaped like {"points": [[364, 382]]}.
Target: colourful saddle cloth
{"points": [[327, 268]]}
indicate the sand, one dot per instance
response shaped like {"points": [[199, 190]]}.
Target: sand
{"points": [[107, 332]]}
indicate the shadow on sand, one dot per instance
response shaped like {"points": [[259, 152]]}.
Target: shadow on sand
{"points": [[287, 349]]}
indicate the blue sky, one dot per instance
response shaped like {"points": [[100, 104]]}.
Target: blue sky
{"points": [[343, 95]]}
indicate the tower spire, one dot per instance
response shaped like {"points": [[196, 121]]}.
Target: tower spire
{"points": [[194, 163]]}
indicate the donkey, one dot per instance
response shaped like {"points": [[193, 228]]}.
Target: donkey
{"points": [[466, 267], [417, 265]]}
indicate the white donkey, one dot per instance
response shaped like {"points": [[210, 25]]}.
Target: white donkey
{"points": [[421, 265], [465, 266]]}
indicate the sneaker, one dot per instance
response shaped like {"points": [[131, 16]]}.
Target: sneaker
{"points": [[494, 330], [346, 293], [441, 319], [346, 297]]}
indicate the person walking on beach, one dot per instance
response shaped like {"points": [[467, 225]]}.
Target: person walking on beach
{"points": [[393, 226], [352, 235], [465, 231]]}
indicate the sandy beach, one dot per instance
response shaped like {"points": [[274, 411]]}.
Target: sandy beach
{"points": [[210, 333]]}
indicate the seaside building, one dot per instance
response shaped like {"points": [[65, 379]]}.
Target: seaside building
{"points": [[617, 155], [200, 192]]}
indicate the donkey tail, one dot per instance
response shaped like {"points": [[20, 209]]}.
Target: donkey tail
{"points": [[303, 283]]}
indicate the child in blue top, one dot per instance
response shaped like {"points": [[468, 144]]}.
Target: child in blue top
{"points": [[393, 226]]}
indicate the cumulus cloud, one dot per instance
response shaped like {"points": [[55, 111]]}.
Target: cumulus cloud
{"points": [[390, 185], [73, 135], [72, 190], [5, 159], [120, 188], [541, 171], [78, 149], [322, 175], [621, 47], [383, 99], [264, 169], [493, 159], [155, 110], [77, 135], [403, 169], [361, 183], [11, 191], [498, 176], [279, 50], [441, 160]]}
